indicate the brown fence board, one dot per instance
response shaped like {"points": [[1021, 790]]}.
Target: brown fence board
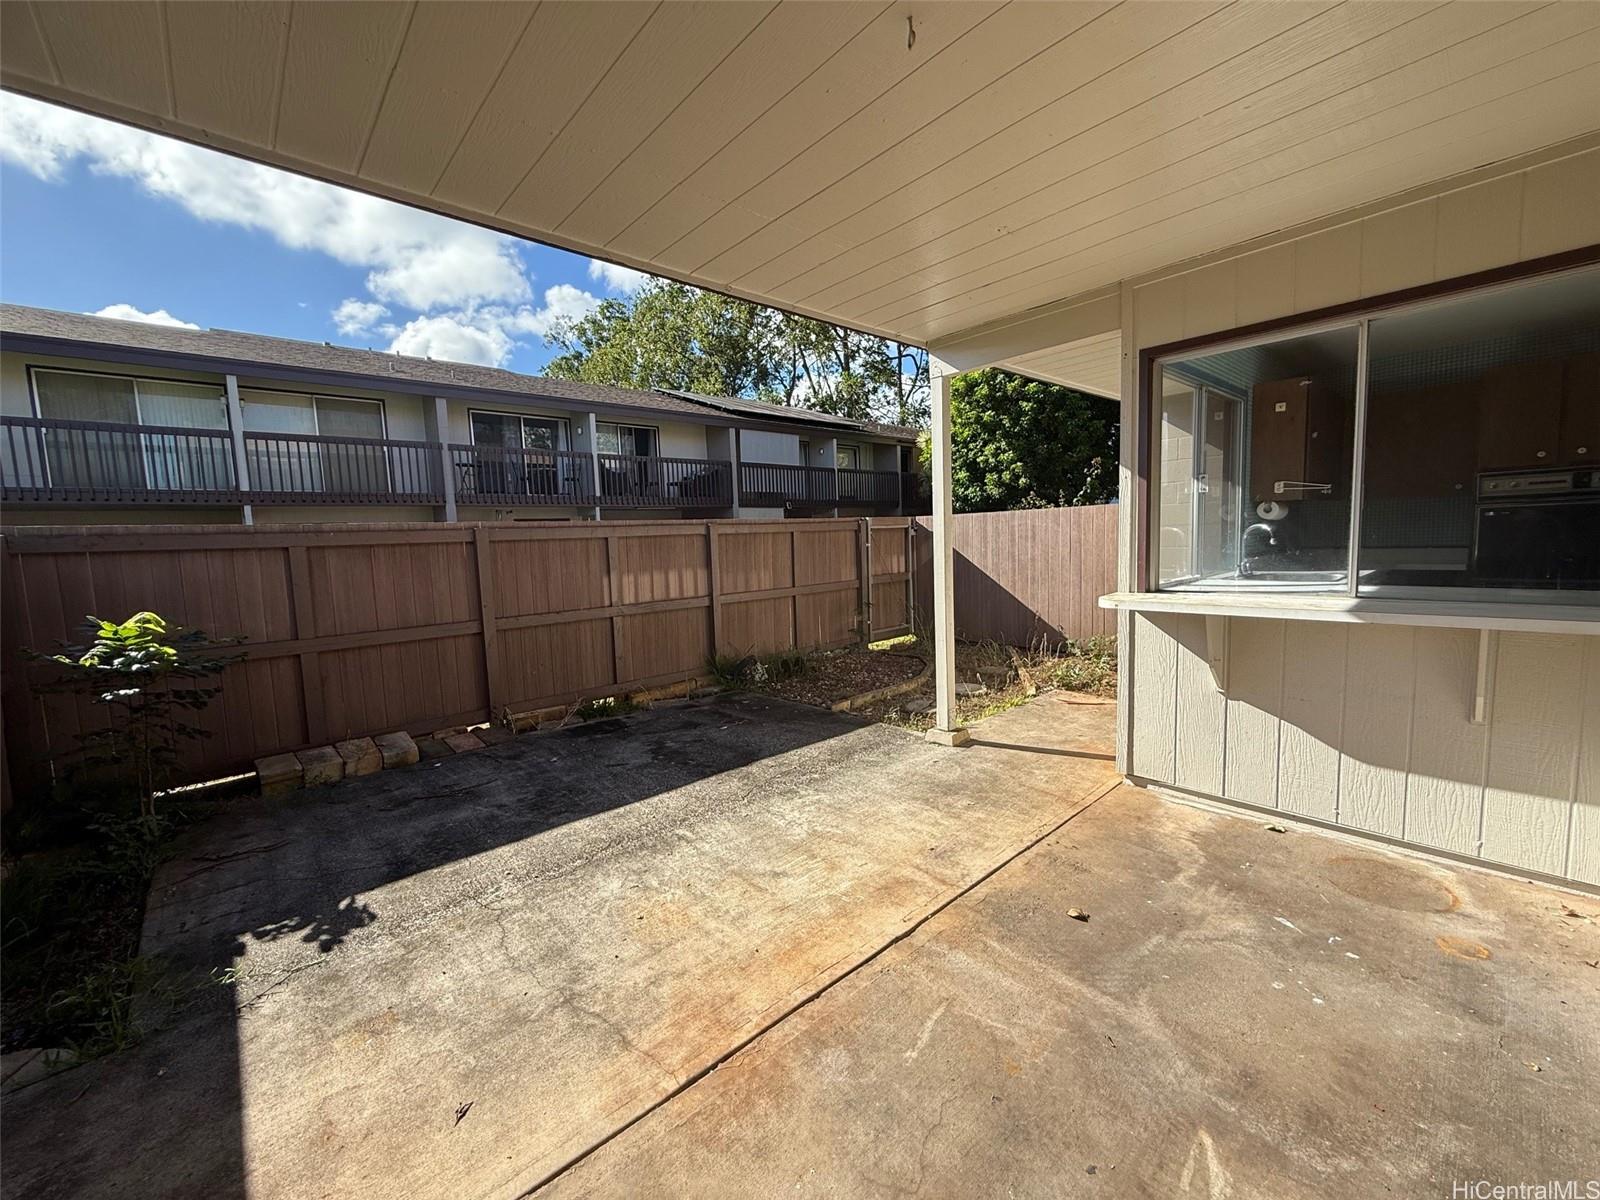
{"points": [[354, 630], [1026, 577]]}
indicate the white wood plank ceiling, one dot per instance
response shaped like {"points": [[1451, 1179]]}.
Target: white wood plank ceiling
{"points": [[820, 157]]}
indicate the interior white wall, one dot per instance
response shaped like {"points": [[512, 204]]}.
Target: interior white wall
{"points": [[1364, 726]]}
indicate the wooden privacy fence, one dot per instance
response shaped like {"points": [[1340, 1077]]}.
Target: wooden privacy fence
{"points": [[1027, 576], [353, 630]]}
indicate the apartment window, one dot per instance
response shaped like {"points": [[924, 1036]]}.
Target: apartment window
{"points": [[133, 458], [515, 431], [642, 441], [517, 456], [1479, 467], [849, 457], [297, 460]]}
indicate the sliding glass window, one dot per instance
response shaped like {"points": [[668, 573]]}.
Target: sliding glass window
{"points": [[1253, 470], [1479, 466]]}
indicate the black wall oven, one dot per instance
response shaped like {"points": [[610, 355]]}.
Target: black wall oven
{"points": [[1538, 529]]}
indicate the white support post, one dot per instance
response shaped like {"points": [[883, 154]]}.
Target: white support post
{"points": [[591, 425], [945, 731], [241, 460], [439, 429]]}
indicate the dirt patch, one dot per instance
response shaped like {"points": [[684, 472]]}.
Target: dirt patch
{"points": [[992, 678], [840, 674]]}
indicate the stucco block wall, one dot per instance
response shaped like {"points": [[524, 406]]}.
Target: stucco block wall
{"points": [[1366, 726]]}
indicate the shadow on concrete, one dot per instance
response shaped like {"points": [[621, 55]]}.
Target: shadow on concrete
{"points": [[277, 885], [1043, 750]]}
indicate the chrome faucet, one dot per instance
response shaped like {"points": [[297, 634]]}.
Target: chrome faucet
{"points": [[1247, 553]]}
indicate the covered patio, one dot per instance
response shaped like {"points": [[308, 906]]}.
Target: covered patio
{"points": [[1070, 190]]}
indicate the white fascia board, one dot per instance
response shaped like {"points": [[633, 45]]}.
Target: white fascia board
{"points": [[1055, 324]]}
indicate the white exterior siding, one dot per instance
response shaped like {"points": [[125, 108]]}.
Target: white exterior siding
{"points": [[1368, 727]]}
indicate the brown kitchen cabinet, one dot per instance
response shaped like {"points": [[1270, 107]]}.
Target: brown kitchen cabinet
{"points": [[1519, 415], [1580, 411], [1422, 443], [1298, 434]]}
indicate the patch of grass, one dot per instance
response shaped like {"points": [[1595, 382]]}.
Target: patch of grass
{"points": [[69, 937], [1087, 666], [752, 670], [605, 706]]}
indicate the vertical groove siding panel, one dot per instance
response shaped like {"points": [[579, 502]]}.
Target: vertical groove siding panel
{"points": [[1444, 788], [1533, 745], [1376, 744], [1583, 851], [1155, 694], [1201, 712], [1313, 711], [1255, 698]]}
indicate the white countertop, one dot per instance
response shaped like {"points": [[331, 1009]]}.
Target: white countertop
{"points": [[1455, 614]]}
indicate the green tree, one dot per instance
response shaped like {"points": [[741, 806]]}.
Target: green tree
{"points": [[1018, 443], [670, 335]]}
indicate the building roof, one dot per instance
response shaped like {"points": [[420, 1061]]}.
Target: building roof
{"points": [[227, 346], [767, 411], [227, 349]]}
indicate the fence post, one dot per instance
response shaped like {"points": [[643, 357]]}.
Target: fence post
{"points": [[716, 588], [483, 555], [241, 461], [864, 565], [613, 601], [305, 626]]}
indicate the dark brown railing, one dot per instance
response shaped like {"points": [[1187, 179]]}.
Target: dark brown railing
{"points": [[881, 488], [98, 462], [513, 475], [777, 485], [101, 462], [298, 468], [631, 481]]}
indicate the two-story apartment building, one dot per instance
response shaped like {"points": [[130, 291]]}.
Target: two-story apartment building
{"points": [[110, 421]]}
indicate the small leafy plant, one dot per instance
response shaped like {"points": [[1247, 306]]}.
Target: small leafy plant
{"points": [[146, 675]]}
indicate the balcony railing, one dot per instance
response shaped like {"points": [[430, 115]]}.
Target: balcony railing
{"points": [[777, 485], [297, 468], [103, 463], [631, 481], [513, 475], [99, 462]]}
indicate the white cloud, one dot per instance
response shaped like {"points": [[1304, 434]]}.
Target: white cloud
{"points": [[562, 303], [436, 288], [487, 334], [456, 337], [127, 312], [624, 280], [415, 259], [354, 317]]}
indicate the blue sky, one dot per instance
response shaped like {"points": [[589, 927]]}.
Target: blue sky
{"points": [[97, 217]]}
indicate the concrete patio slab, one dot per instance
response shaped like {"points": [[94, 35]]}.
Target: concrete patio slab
{"points": [[1245, 1014], [454, 979]]}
